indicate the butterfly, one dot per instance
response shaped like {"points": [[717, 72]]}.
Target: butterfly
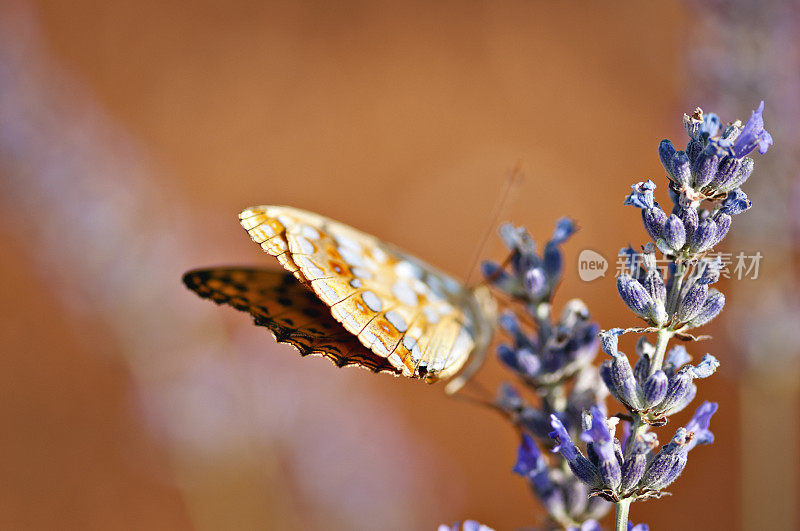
{"points": [[354, 299]]}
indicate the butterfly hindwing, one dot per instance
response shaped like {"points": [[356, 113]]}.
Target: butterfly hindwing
{"points": [[293, 313]]}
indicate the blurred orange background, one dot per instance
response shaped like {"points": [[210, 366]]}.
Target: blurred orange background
{"points": [[133, 134]]}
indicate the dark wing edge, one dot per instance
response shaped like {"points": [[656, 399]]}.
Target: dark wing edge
{"points": [[338, 345]]}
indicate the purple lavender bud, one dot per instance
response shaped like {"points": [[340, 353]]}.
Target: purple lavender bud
{"points": [[677, 390], [723, 222], [528, 363], [536, 281], [715, 301], [607, 375], [674, 232], [634, 295], [728, 168], [753, 135], [601, 441], [689, 218], [580, 465], [681, 168], [693, 150], [638, 527], [711, 271], [655, 388], [692, 302], [654, 220], [507, 355], [680, 405], [636, 461], [641, 370], [553, 262], [668, 463], [665, 152], [675, 162], [705, 167], [736, 202], [654, 284], [703, 238], [622, 381], [745, 169]]}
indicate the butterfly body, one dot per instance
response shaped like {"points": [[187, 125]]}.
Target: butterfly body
{"points": [[407, 317]]}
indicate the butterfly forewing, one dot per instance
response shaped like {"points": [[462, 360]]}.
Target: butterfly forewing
{"points": [[420, 320]]}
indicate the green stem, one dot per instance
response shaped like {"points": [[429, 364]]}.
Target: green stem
{"points": [[662, 340], [621, 522]]}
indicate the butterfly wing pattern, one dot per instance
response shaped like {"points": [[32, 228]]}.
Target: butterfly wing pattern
{"points": [[364, 302]]}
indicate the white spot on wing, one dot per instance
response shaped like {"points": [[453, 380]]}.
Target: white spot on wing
{"points": [[379, 348], [372, 300], [403, 292], [310, 232], [378, 255], [397, 321], [352, 257], [311, 269], [394, 359], [411, 345], [408, 270], [328, 292], [305, 246], [369, 337], [349, 243], [362, 272]]}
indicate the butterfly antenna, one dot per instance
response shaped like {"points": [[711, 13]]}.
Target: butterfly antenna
{"points": [[513, 181]]}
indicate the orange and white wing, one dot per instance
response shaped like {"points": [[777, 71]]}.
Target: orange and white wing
{"points": [[422, 321]]}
